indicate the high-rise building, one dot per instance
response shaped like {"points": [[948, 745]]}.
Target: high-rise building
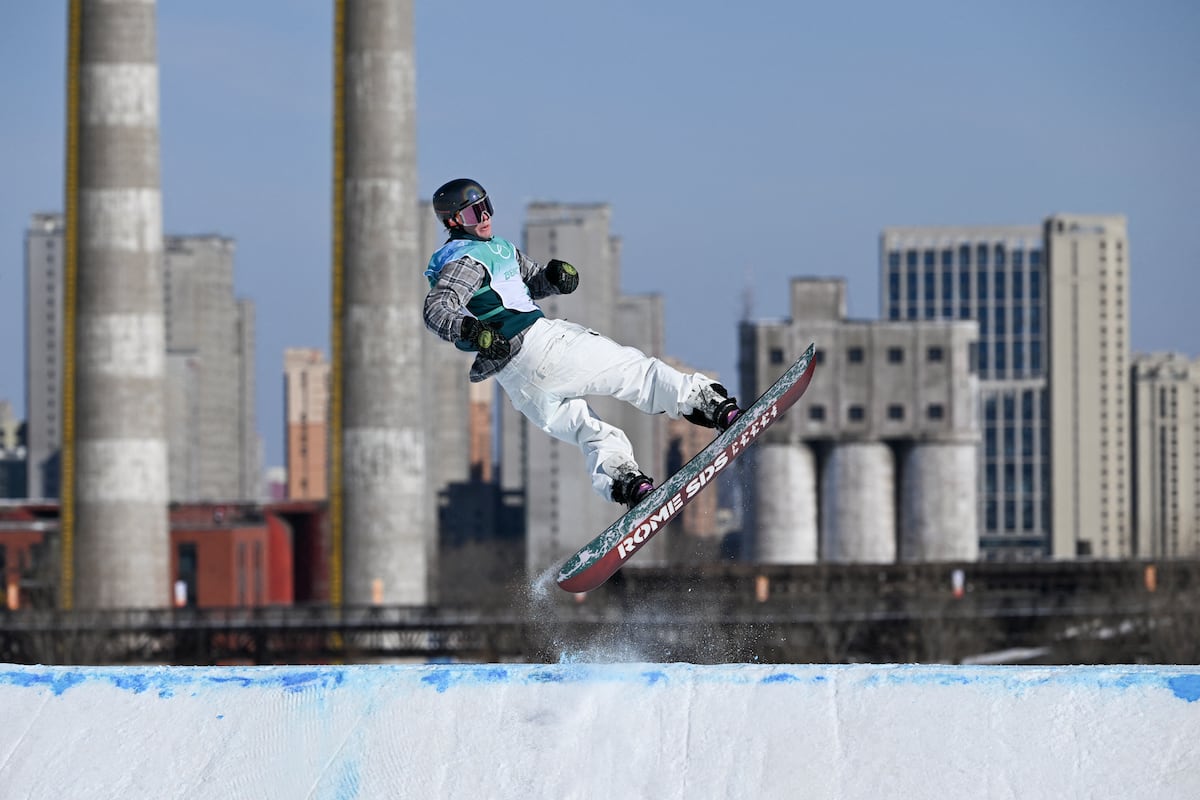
{"points": [[43, 353], [10, 426], [482, 404], [1088, 317], [996, 275], [12, 455], [445, 385], [1166, 447], [213, 447], [1052, 306], [213, 451], [306, 402]]}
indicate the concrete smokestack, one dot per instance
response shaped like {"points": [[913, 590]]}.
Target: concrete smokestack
{"points": [[118, 468], [381, 486]]}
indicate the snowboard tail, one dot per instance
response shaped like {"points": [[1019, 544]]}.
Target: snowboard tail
{"points": [[600, 558]]}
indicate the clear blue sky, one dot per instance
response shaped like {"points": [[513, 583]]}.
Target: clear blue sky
{"points": [[736, 145]]}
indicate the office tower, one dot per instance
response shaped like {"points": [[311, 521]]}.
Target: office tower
{"points": [[877, 461], [43, 353], [1088, 294], [562, 510], [1166, 448], [115, 486], [306, 401], [207, 353], [384, 547], [996, 275]]}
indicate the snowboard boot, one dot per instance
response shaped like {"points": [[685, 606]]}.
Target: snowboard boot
{"points": [[713, 408], [630, 487]]}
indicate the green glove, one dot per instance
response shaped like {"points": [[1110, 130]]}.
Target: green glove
{"points": [[488, 341], [562, 276]]}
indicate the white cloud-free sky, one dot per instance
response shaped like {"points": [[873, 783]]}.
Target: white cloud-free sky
{"points": [[738, 144]]}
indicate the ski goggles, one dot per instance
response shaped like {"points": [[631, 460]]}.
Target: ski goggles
{"points": [[473, 214]]}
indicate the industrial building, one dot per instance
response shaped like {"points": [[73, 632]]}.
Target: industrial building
{"points": [[876, 464]]}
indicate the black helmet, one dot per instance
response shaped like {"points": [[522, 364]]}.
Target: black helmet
{"points": [[456, 195]]}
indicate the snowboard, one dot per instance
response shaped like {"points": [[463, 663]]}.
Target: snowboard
{"points": [[600, 558]]}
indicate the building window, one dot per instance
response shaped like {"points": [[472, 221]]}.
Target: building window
{"points": [[936, 411], [854, 355], [895, 412], [935, 354], [816, 413], [895, 355], [776, 355], [856, 413], [819, 356]]}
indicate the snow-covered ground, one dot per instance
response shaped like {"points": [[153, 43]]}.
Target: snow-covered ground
{"points": [[611, 731]]}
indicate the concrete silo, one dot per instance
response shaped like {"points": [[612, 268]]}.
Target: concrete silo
{"points": [[785, 503], [937, 503], [858, 523]]}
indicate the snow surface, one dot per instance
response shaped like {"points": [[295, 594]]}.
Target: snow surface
{"points": [[611, 731]]}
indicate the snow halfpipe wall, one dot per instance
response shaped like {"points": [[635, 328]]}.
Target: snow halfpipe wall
{"points": [[611, 731]]}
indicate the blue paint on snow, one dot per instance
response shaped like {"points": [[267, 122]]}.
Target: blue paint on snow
{"points": [[1186, 687], [317, 682]]}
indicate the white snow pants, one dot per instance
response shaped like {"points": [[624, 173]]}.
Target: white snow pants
{"points": [[560, 363]]}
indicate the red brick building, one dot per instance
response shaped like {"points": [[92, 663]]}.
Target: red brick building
{"points": [[222, 555]]}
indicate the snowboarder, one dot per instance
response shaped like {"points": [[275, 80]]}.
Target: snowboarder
{"points": [[481, 298]]}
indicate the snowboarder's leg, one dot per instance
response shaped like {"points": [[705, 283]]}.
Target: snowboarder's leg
{"points": [[606, 449], [596, 365]]}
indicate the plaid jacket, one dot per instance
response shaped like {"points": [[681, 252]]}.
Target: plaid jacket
{"points": [[453, 288]]}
